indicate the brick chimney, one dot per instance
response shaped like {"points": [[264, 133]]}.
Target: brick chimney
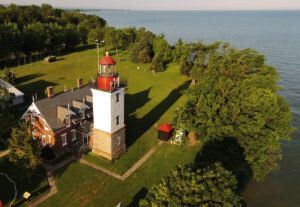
{"points": [[79, 82], [50, 91]]}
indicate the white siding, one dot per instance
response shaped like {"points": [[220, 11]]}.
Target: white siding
{"points": [[106, 109]]}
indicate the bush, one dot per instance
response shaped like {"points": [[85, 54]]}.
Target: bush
{"points": [[47, 153]]}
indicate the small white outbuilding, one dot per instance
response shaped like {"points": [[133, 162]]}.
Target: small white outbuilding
{"points": [[19, 96]]}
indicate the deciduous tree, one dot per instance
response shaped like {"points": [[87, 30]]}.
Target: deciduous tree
{"points": [[236, 98], [208, 186]]}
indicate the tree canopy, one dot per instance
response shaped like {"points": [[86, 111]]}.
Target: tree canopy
{"points": [[29, 29], [24, 152], [236, 98], [208, 186]]}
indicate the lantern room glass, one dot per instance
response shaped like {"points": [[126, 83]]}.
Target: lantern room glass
{"points": [[107, 70]]}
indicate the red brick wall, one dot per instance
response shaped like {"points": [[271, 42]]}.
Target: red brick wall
{"points": [[56, 139]]}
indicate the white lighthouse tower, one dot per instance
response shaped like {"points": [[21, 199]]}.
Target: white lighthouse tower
{"points": [[108, 106]]}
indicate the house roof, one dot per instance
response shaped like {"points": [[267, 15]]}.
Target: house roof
{"points": [[10, 88], [55, 109], [165, 127]]}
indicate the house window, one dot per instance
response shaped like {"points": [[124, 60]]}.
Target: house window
{"points": [[33, 133], [85, 138], [32, 119], [118, 140], [50, 141], [117, 120], [73, 134], [117, 97], [68, 121], [43, 140], [64, 139], [46, 126], [82, 115]]}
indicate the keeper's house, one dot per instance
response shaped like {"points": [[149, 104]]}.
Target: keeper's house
{"points": [[90, 115]]}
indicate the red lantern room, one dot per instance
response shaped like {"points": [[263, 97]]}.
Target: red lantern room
{"points": [[107, 75]]}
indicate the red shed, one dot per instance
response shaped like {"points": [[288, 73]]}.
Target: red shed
{"points": [[165, 132]]}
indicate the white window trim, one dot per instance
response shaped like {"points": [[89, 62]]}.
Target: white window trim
{"points": [[43, 140], [73, 139], [31, 119], [33, 133], [119, 140], [62, 142], [87, 138], [46, 127], [50, 141], [82, 115], [68, 121]]}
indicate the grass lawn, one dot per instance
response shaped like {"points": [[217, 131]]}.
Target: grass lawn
{"points": [[37, 187], [150, 100], [80, 185]]}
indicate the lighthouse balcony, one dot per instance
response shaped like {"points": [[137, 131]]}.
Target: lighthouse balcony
{"points": [[110, 84]]}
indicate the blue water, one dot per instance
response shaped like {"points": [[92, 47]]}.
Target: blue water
{"points": [[276, 34]]}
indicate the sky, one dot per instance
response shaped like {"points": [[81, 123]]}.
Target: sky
{"points": [[167, 4]]}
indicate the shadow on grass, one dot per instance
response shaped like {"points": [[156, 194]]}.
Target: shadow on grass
{"points": [[37, 87], [140, 125], [140, 195], [60, 171], [231, 155], [28, 77], [135, 101], [37, 185]]}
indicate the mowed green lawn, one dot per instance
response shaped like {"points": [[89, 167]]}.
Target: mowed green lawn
{"points": [[80, 185], [149, 102]]}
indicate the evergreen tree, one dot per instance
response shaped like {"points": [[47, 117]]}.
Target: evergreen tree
{"points": [[24, 152], [5, 98], [208, 186]]}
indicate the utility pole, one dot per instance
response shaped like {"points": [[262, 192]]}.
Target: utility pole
{"points": [[97, 43]]}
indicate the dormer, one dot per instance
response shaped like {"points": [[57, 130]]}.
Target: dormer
{"points": [[65, 114], [81, 108]]}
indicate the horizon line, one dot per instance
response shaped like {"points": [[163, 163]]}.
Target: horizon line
{"points": [[125, 9]]}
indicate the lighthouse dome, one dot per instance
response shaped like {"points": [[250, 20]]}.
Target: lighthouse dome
{"points": [[107, 60]]}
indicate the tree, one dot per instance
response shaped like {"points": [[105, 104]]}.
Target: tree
{"points": [[95, 34], [142, 49], [24, 152], [162, 49], [208, 186], [140, 52], [71, 36], [236, 98], [157, 64], [5, 98], [114, 37], [8, 76]]}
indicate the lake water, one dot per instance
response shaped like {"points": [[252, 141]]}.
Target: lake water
{"points": [[276, 34]]}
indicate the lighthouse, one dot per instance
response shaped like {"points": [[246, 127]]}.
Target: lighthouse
{"points": [[108, 110]]}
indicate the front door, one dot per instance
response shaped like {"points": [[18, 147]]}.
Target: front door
{"points": [[85, 138]]}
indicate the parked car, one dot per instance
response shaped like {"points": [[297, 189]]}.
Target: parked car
{"points": [[50, 59]]}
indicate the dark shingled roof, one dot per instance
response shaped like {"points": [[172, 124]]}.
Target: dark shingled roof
{"points": [[48, 106]]}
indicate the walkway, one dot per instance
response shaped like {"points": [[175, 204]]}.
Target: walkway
{"points": [[128, 172], [4, 152], [51, 169]]}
